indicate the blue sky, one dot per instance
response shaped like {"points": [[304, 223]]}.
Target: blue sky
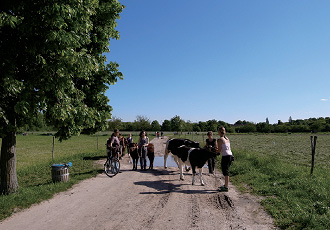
{"points": [[225, 60]]}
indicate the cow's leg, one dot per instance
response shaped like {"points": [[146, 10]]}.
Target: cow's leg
{"points": [[181, 170], [177, 160], [201, 178], [193, 174], [165, 157], [135, 163], [152, 162]]}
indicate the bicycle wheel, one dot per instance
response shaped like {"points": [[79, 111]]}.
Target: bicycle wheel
{"points": [[115, 166], [108, 168]]}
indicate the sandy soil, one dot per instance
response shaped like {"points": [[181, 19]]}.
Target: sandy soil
{"points": [[153, 199]]}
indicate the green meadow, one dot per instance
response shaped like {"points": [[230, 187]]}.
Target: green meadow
{"points": [[275, 167]]}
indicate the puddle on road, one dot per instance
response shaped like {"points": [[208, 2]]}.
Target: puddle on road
{"points": [[159, 162]]}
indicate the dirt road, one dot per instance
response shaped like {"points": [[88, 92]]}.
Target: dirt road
{"points": [[154, 199]]}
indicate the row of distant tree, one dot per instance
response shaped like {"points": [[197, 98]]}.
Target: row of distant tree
{"points": [[177, 124]]}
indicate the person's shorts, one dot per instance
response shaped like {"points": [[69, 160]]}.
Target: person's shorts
{"points": [[225, 164]]}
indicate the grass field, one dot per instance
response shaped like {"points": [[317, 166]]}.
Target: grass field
{"points": [[274, 166]]}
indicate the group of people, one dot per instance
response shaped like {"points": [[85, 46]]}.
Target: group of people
{"points": [[222, 145], [117, 144], [157, 134]]}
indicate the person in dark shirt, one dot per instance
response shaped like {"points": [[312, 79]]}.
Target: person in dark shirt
{"points": [[211, 142]]}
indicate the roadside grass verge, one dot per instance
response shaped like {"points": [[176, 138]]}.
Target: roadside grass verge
{"points": [[34, 160], [276, 167], [294, 198]]}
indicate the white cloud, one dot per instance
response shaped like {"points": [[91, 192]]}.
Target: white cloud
{"points": [[324, 99]]}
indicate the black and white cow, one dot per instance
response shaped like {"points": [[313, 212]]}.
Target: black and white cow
{"points": [[196, 158], [173, 144]]}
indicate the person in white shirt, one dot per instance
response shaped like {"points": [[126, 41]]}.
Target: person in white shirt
{"points": [[227, 157]]}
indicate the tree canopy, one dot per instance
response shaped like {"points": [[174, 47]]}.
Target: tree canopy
{"points": [[52, 61]]}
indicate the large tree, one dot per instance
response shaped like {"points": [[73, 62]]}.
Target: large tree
{"points": [[142, 123], [52, 61], [177, 124]]}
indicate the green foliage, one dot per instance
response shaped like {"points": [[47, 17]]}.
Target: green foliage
{"points": [[177, 124], [115, 123], [166, 126], [142, 123], [52, 56], [155, 126], [53, 63]]}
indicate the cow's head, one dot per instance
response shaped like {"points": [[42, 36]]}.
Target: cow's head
{"points": [[211, 149], [150, 147], [133, 146], [193, 144]]}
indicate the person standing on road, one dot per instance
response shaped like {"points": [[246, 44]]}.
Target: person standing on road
{"points": [[211, 142], [227, 157], [129, 141], [143, 143]]}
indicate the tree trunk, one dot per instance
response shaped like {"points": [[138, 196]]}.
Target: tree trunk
{"points": [[9, 183]]}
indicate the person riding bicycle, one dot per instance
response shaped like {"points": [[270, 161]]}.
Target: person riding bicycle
{"points": [[113, 144]]}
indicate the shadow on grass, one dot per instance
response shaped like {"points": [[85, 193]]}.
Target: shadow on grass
{"points": [[94, 158]]}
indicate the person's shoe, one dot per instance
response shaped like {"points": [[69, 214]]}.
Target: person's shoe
{"points": [[223, 189]]}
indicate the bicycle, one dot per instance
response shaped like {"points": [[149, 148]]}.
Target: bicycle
{"points": [[112, 164]]}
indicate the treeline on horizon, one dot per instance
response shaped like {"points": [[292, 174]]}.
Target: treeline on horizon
{"points": [[176, 124]]}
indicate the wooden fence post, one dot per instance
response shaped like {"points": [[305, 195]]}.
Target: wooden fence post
{"points": [[97, 142], [313, 144], [53, 148]]}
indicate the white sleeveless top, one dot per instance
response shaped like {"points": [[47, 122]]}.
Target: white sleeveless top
{"points": [[225, 149]]}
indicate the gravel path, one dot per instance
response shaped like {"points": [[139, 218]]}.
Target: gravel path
{"points": [[154, 199]]}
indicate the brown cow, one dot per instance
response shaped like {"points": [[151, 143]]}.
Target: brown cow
{"points": [[134, 154], [151, 154]]}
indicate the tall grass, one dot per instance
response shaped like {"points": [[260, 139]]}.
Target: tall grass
{"points": [[277, 167]]}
